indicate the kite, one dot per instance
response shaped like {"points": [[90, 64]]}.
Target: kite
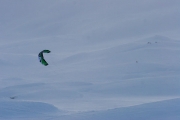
{"points": [[41, 57]]}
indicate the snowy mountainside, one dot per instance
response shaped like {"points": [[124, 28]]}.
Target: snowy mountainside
{"points": [[110, 59], [150, 111], [119, 76]]}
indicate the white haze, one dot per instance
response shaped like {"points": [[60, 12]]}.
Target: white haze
{"points": [[109, 60]]}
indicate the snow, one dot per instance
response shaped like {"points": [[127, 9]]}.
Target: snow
{"points": [[109, 60]]}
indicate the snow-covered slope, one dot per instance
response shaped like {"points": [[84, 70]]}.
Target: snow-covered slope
{"points": [[120, 76], [107, 61], [151, 111]]}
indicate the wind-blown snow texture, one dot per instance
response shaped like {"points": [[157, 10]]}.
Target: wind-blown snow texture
{"points": [[109, 60]]}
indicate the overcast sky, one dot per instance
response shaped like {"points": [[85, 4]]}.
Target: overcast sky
{"points": [[89, 20]]}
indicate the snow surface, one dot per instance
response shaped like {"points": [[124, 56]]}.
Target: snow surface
{"points": [[109, 60]]}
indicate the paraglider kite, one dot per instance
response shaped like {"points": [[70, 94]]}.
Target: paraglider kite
{"points": [[41, 57]]}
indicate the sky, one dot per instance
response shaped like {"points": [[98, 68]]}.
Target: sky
{"points": [[89, 20]]}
